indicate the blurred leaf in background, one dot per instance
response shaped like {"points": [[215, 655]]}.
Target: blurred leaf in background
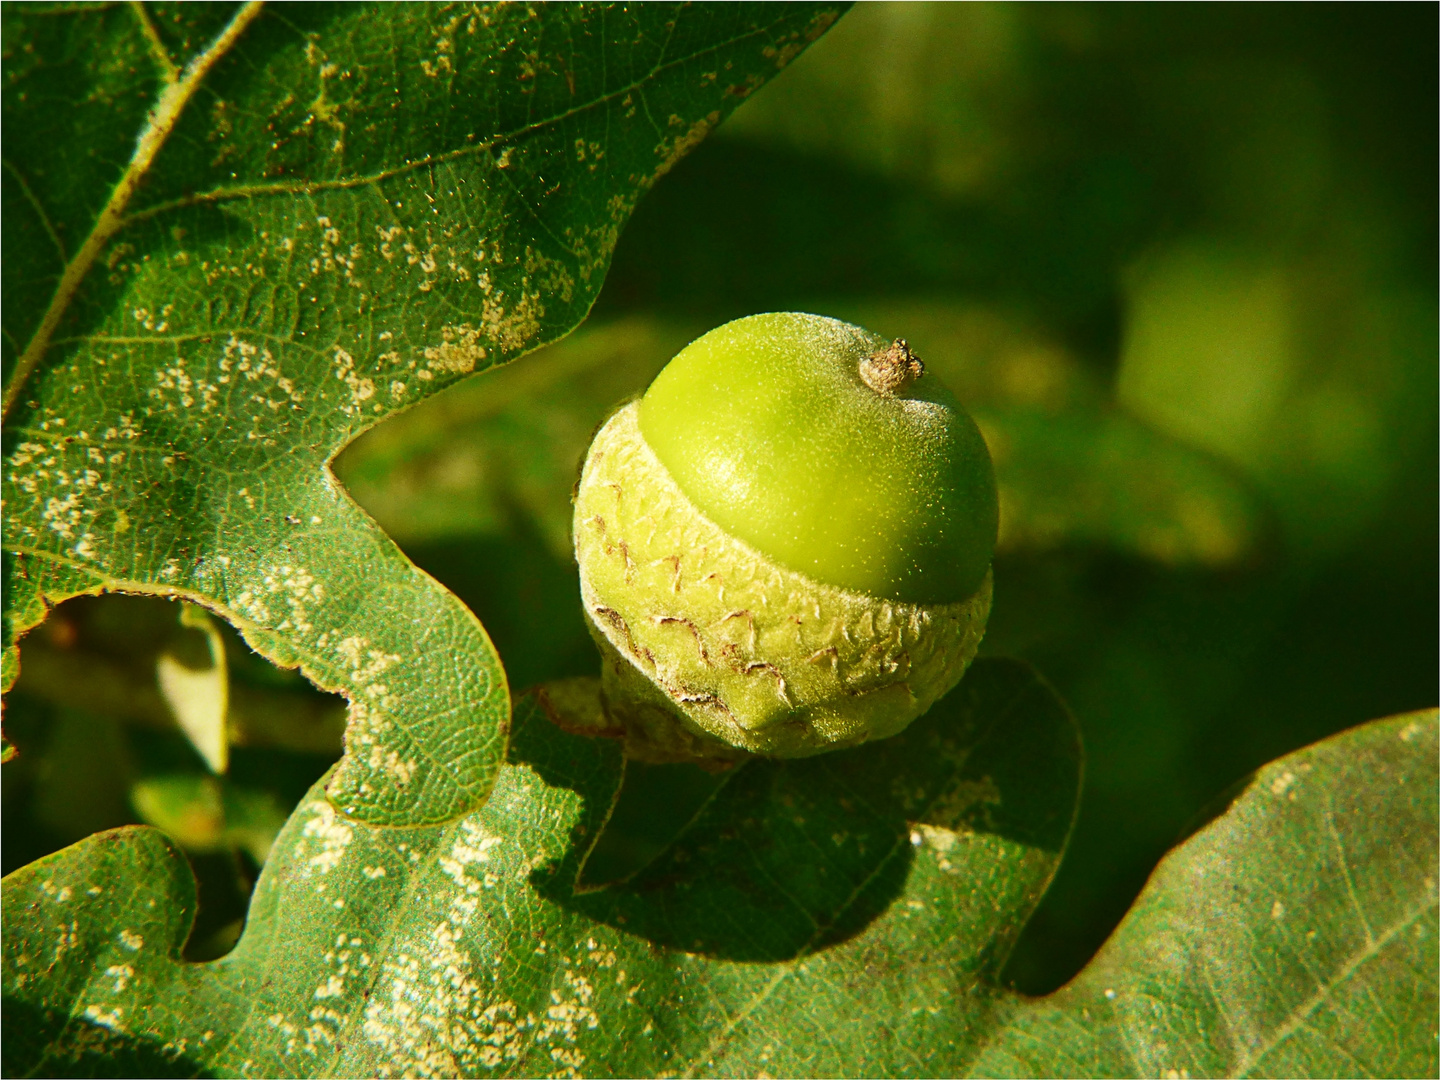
{"points": [[118, 715], [1180, 262]]}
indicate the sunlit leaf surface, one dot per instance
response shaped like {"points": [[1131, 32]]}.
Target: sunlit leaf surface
{"points": [[243, 235], [1293, 935], [883, 886]]}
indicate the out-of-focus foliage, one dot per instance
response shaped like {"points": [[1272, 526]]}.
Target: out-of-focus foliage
{"points": [[103, 744]]}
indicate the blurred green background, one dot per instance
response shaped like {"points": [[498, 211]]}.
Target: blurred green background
{"points": [[1181, 263]]}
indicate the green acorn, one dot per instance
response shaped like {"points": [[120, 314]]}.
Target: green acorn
{"points": [[784, 545]]}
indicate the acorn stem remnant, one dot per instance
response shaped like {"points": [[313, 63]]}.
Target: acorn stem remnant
{"points": [[891, 369]]}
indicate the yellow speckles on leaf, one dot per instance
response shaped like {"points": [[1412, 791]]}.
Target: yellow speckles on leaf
{"points": [[793, 45], [569, 1057], [66, 938], [222, 126], [332, 835], [946, 826], [511, 330], [117, 253], [245, 362], [568, 1015], [330, 257], [602, 957], [361, 388], [942, 841], [63, 515], [131, 940], [593, 152], [672, 150], [107, 1018], [26, 452], [322, 109], [459, 350], [444, 50], [388, 237], [150, 321], [386, 760], [365, 663], [430, 1014], [472, 847], [547, 275], [425, 260], [279, 1023], [294, 586], [253, 606], [122, 974]]}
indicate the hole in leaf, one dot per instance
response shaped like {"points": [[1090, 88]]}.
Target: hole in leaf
{"points": [[140, 710]]}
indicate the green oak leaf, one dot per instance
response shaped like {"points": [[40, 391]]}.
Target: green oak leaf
{"points": [[238, 235], [1292, 935], [845, 914]]}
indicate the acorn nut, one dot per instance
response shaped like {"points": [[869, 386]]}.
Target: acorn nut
{"points": [[784, 544]]}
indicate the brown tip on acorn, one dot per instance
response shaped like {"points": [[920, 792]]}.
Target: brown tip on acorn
{"points": [[891, 369]]}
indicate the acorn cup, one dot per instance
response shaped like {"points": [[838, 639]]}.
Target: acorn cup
{"points": [[784, 544]]}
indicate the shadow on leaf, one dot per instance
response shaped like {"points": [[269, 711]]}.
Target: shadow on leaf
{"points": [[42, 1042], [793, 856]]}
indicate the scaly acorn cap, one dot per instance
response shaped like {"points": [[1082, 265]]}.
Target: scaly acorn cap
{"points": [[713, 651]]}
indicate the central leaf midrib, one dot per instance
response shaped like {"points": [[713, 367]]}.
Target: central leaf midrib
{"points": [[161, 122], [1302, 1012]]}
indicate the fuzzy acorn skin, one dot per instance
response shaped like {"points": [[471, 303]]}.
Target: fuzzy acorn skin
{"points": [[828, 448], [750, 656]]}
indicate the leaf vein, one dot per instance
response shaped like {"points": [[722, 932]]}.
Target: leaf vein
{"points": [[161, 122], [1302, 1012]]}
